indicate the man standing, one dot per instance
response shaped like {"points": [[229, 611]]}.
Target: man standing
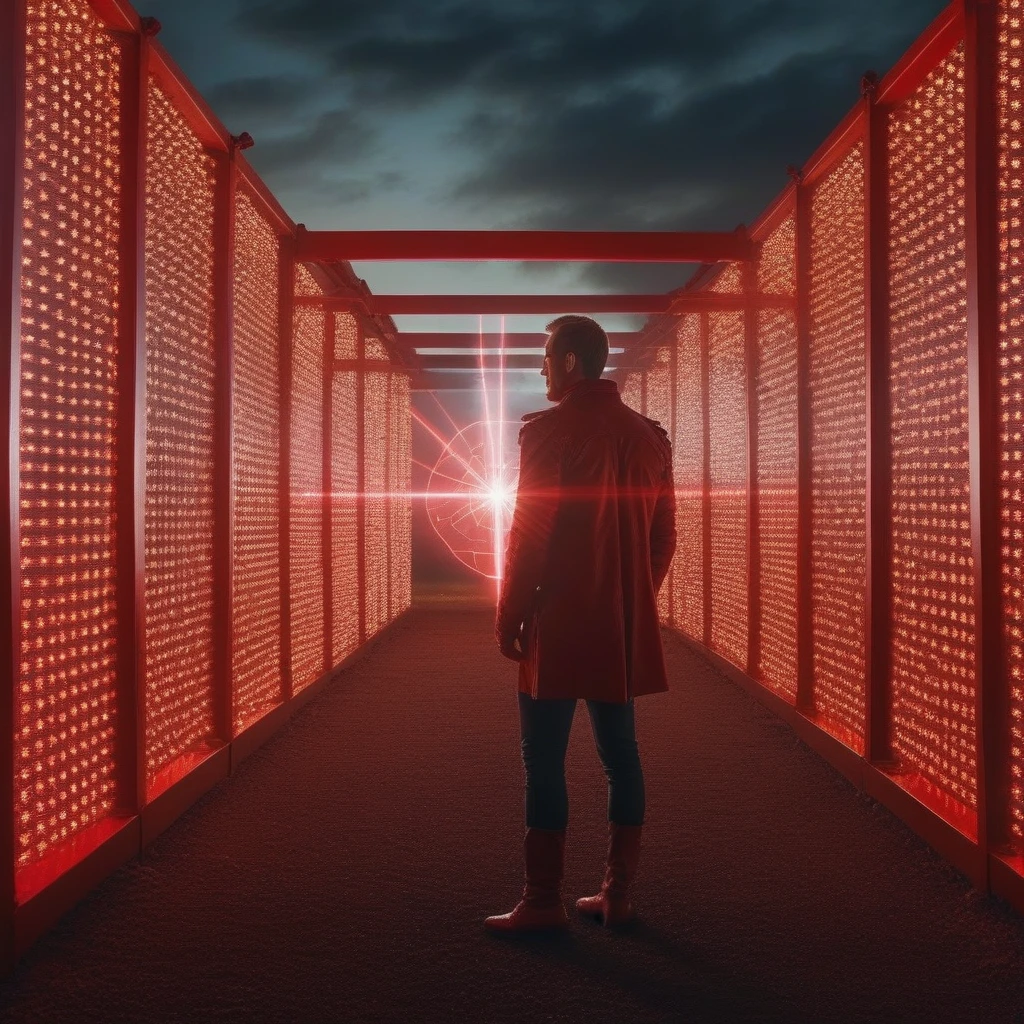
{"points": [[591, 540]]}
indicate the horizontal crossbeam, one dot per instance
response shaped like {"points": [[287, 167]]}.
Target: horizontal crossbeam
{"points": [[494, 362], [470, 305], [588, 246], [439, 339]]}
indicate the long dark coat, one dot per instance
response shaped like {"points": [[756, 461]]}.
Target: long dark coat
{"points": [[591, 540]]}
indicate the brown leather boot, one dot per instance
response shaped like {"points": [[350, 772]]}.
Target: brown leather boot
{"points": [[611, 904], [541, 906]]}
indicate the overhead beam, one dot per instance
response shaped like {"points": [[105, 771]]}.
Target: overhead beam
{"points": [[588, 246], [471, 305], [495, 362], [439, 339]]}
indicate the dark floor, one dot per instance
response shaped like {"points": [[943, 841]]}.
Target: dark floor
{"points": [[344, 872]]}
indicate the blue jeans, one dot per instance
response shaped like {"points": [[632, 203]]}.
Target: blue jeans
{"points": [[545, 726]]}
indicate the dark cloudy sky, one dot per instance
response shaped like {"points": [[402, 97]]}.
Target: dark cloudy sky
{"points": [[604, 114]]}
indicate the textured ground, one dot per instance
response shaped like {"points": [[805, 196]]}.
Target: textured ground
{"points": [[344, 872]]}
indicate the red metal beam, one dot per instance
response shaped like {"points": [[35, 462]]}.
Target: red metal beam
{"points": [[920, 60], [130, 756], [201, 118], [508, 362], [285, 320], [591, 246], [223, 455], [878, 609], [992, 705], [471, 305], [12, 148], [440, 339]]}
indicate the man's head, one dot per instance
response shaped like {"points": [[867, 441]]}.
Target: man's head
{"points": [[577, 348]]}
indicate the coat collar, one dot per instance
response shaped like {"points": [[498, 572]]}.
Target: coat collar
{"points": [[601, 386]]}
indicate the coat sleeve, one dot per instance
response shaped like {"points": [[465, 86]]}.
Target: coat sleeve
{"points": [[533, 522], [663, 528]]}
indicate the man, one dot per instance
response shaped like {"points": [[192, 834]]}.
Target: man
{"points": [[591, 540]]}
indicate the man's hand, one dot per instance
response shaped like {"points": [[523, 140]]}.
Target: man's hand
{"points": [[507, 643]]}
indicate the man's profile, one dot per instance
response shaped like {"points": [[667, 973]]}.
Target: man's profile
{"points": [[592, 537]]}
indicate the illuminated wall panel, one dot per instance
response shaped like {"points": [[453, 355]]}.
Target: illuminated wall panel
{"points": [[180, 364], [728, 409], [345, 486], [306, 543], [256, 590], [631, 392], [65, 706], [776, 463], [933, 606], [375, 505], [838, 385], [400, 508], [688, 471], [1011, 343], [659, 407]]}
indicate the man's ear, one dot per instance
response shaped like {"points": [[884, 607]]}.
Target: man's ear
{"points": [[570, 362]]}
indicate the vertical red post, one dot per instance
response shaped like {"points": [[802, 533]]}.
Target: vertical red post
{"points": [[878, 597], [673, 388], [387, 489], [286, 328], [361, 477], [327, 486], [130, 756], [224, 473], [804, 466], [705, 396], [992, 704], [12, 149], [750, 358]]}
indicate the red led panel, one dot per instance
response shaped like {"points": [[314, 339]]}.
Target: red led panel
{"points": [[776, 463], [1011, 346], [401, 507], [65, 707], [933, 604], [375, 348], [179, 437], [838, 385], [256, 591], [688, 473], [728, 409], [659, 407], [345, 487], [631, 392], [375, 505], [306, 486]]}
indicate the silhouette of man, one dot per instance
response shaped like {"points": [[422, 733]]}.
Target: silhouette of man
{"points": [[591, 540]]}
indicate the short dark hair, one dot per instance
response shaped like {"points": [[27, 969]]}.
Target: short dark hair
{"points": [[583, 336]]}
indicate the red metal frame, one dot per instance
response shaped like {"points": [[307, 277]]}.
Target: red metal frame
{"points": [[992, 706], [593, 246], [224, 501], [130, 757], [750, 359], [286, 325], [801, 195], [878, 597], [12, 142], [510, 342]]}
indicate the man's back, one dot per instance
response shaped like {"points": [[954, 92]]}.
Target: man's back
{"points": [[596, 495]]}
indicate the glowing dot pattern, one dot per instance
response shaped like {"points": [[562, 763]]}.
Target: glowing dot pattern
{"points": [[400, 483], [180, 366], [631, 392], [1011, 359], [837, 386], [777, 463], [375, 509], [256, 590], [728, 408], [933, 604], [344, 481], [659, 407], [306, 458], [688, 473], [65, 706]]}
